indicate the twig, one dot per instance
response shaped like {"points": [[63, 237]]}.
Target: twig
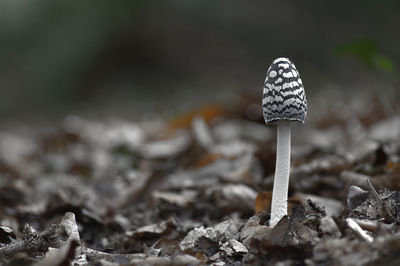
{"points": [[371, 226], [386, 211], [13, 248], [32, 241], [95, 255], [316, 207], [358, 230]]}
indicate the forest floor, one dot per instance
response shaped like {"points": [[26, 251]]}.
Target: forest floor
{"points": [[196, 189]]}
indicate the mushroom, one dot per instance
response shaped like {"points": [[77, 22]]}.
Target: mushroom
{"points": [[284, 101]]}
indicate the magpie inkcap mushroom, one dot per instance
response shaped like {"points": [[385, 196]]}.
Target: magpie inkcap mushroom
{"points": [[283, 102], [284, 97]]}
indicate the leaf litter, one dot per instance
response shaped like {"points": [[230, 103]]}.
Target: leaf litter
{"points": [[196, 190]]}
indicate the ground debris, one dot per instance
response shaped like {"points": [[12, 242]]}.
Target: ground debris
{"points": [[223, 231], [243, 196], [356, 196], [197, 191], [153, 229]]}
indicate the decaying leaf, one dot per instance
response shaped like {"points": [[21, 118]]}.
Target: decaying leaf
{"points": [[221, 232]]}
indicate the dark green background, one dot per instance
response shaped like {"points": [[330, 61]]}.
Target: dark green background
{"points": [[125, 58]]}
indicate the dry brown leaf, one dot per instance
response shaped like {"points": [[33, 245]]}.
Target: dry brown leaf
{"points": [[207, 159], [185, 120], [263, 202]]}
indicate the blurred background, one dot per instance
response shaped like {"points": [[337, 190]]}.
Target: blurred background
{"points": [[126, 58]]}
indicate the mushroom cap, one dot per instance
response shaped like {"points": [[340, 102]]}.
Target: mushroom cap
{"points": [[284, 97]]}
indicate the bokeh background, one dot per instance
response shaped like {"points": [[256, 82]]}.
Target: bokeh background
{"points": [[127, 58]]}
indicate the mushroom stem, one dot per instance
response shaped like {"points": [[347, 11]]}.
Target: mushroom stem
{"points": [[282, 169]]}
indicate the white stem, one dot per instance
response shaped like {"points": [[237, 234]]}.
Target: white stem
{"points": [[282, 170]]}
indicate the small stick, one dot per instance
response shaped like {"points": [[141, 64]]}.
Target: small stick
{"points": [[371, 226], [358, 230], [316, 207], [32, 241], [95, 255], [382, 204]]}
